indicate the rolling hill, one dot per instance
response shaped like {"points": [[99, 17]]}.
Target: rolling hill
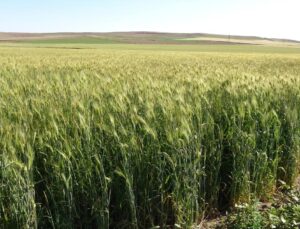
{"points": [[142, 38]]}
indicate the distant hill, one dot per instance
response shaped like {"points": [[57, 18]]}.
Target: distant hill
{"points": [[141, 38]]}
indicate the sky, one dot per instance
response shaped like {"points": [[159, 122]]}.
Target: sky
{"points": [[266, 18]]}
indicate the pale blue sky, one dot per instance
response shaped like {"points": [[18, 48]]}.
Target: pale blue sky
{"points": [[268, 18]]}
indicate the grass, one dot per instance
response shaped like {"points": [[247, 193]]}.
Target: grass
{"points": [[243, 49], [284, 213], [71, 40], [142, 136]]}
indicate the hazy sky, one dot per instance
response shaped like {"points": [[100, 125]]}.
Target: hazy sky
{"points": [[268, 18]]}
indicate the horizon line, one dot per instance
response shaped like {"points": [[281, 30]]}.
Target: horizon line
{"points": [[153, 32]]}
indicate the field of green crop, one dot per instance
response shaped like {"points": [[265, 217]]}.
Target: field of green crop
{"points": [[144, 138]]}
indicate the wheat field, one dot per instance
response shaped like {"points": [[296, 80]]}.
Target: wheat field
{"points": [[115, 138]]}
